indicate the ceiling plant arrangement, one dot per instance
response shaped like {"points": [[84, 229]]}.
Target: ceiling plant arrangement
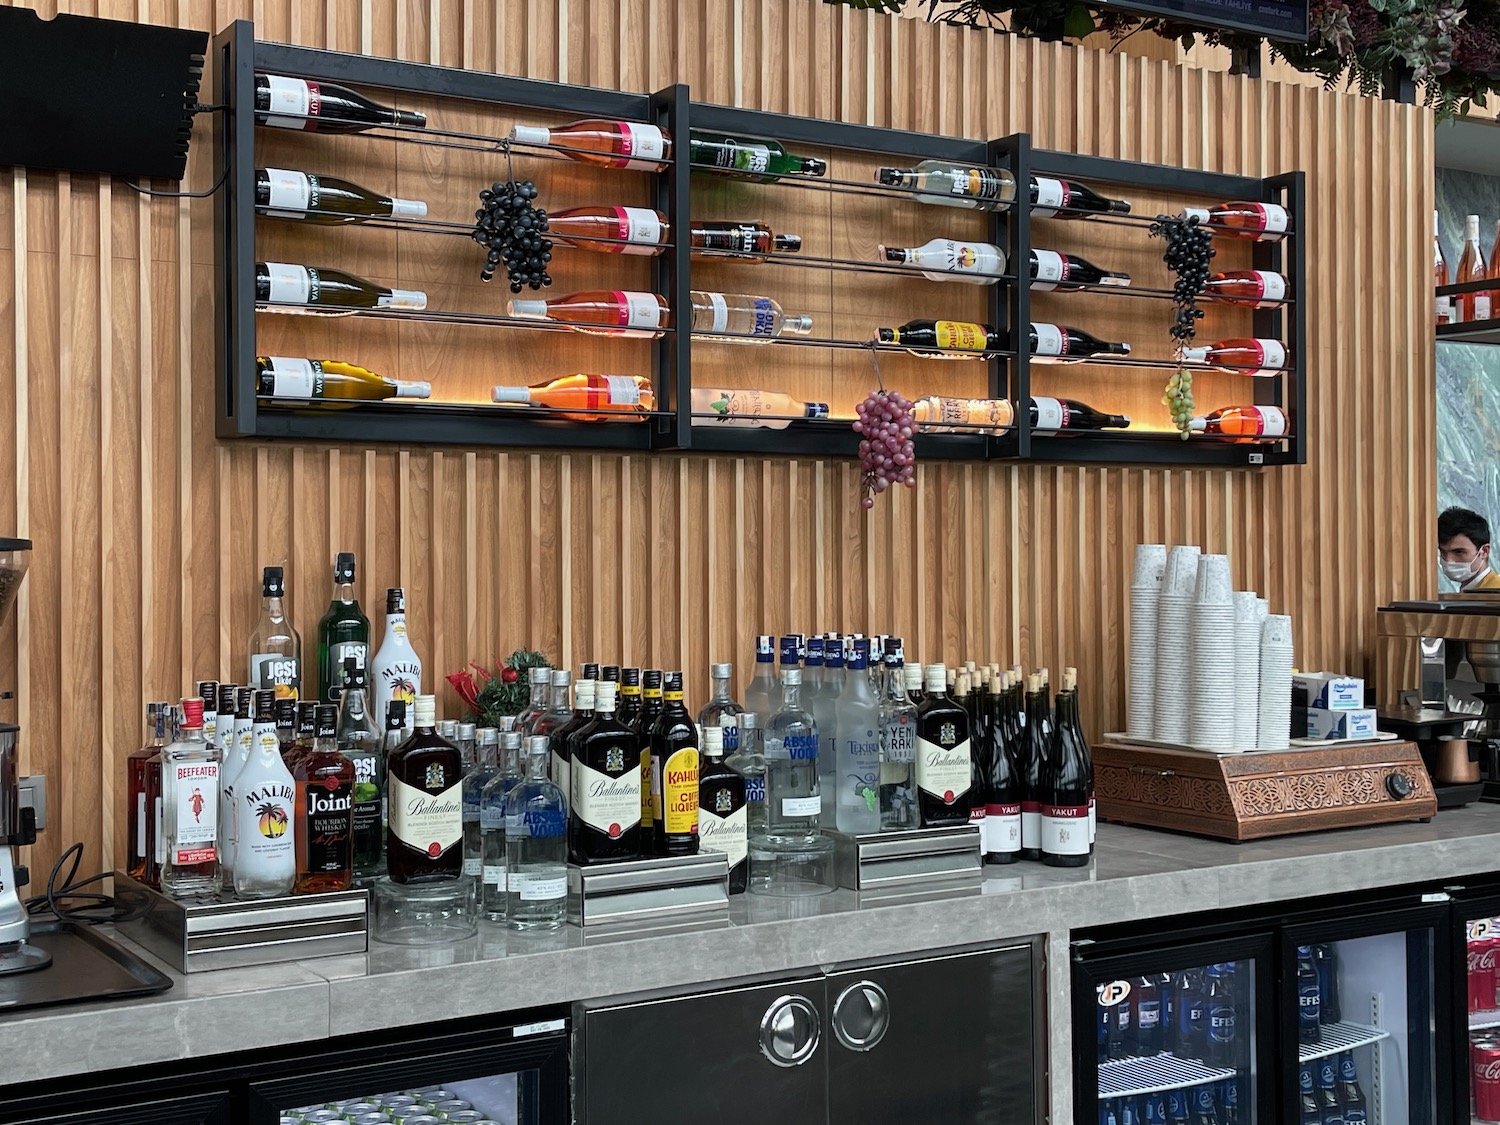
{"points": [[1449, 49]]}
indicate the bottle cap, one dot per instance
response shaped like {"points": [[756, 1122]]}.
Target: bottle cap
{"points": [[792, 677], [1194, 355], [888, 176], [408, 209], [789, 647], [227, 695], [561, 677], [510, 740], [272, 583], [610, 672], [937, 678], [327, 720], [893, 254], [584, 693], [589, 671], [604, 695], [812, 166], [487, 736], [788, 243], [713, 742], [507, 722], [425, 710], [466, 731], [286, 713], [243, 700], [208, 691], [652, 679], [265, 705], [537, 744], [523, 309], [746, 720], [510, 394], [630, 677], [530, 135], [799, 325], [859, 658], [887, 335], [192, 713], [395, 714], [911, 677], [343, 567], [721, 671], [1197, 425], [814, 658], [764, 648], [405, 389], [1199, 213], [672, 681], [410, 300], [539, 676], [307, 717], [395, 600], [448, 728]]}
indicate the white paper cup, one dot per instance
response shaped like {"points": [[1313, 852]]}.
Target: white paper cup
{"points": [[1150, 566]]}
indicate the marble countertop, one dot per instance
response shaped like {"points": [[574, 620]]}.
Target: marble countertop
{"points": [[1136, 874]]}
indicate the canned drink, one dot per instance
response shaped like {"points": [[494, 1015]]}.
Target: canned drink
{"points": [[289, 1120], [1154, 1109], [423, 1119], [352, 1110], [398, 1101], [404, 1113], [319, 1115], [1484, 1056], [465, 1116], [451, 1105], [1482, 974], [374, 1118], [436, 1093]]}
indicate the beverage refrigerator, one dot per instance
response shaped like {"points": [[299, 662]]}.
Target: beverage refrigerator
{"points": [[1329, 1016], [1475, 937]]}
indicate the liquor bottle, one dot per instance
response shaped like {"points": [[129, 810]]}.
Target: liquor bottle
{"points": [[242, 742], [558, 714], [536, 846], [1309, 1007], [1059, 342], [743, 318], [275, 646], [723, 821], [946, 184], [208, 691], [749, 241], [1351, 1096], [1068, 199], [644, 724], [1033, 763], [1049, 414], [1472, 267], [857, 751], [1241, 356], [1004, 785], [1445, 311], [540, 682], [604, 818], [344, 630], [140, 820], [963, 696], [285, 193], [1221, 1013], [945, 779], [1146, 997], [1263, 222], [228, 712], [748, 158], [762, 691], [1252, 289], [1327, 962], [265, 803], [1243, 422], [604, 144], [940, 415], [947, 259], [721, 710], [329, 382], [1051, 270], [325, 811], [328, 290], [793, 798], [286, 732], [360, 739], [749, 761], [628, 705], [944, 339], [1328, 1091], [562, 736], [156, 854], [1493, 294], [323, 107], [823, 707], [1065, 784], [424, 794], [1307, 1096], [898, 742], [751, 409], [600, 312], [397, 669], [482, 773], [492, 824], [610, 230], [813, 674], [585, 397], [190, 806], [674, 774], [307, 730]]}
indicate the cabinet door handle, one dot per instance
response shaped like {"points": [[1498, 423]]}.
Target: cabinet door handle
{"points": [[790, 1030], [861, 1015]]}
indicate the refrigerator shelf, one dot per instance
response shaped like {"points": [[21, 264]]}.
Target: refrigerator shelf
{"points": [[1341, 1036], [1478, 1020], [1123, 1078]]}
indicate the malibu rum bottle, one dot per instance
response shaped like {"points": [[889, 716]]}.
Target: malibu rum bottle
{"points": [[343, 632], [945, 770], [397, 669], [424, 793], [275, 647], [325, 811], [604, 821], [265, 857], [674, 774]]}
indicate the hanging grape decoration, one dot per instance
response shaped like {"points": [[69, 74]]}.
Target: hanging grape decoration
{"points": [[514, 231], [886, 424], [1189, 251]]}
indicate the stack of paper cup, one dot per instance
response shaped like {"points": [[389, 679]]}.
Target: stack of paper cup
{"points": [[1247, 619], [1275, 712], [1211, 696], [1174, 645], [1145, 591], [1262, 611]]}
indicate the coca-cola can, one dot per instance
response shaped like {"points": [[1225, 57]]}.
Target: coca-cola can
{"points": [[1482, 955], [1484, 1057]]}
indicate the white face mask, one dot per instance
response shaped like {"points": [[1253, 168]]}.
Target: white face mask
{"points": [[1461, 572]]}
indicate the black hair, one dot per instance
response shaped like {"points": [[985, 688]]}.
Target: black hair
{"points": [[1460, 521]]}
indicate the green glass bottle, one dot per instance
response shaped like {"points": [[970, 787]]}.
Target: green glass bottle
{"points": [[748, 158], [343, 632]]}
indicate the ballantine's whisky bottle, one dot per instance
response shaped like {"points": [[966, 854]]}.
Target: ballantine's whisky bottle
{"points": [[424, 795]]}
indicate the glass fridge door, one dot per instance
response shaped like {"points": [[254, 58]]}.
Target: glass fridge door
{"points": [[1477, 1064]]}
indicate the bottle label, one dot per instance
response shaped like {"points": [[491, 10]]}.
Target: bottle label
{"points": [[290, 102], [195, 790], [623, 390], [1065, 829], [161, 841], [968, 257], [1031, 824], [1050, 339], [609, 803], [539, 888], [1002, 828], [649, 790], [944, 773], [639, 227], [1445, 310], [273, 672], [492, 814], [295, 378], [977, 183], [1273, 218], [289, 284], [472, 866], [265, 841], [1051, 267], [801, 806], [638, 310], [140, 824], [493, 875], [901, 741], [1272, 286], [561, 773], [755, 789], [1050, 414], [1051, 196], [960, 336], [1272, 356], [1270, 421], [718, 309], [291, 193], [429, 823], [742, 156], [641, 145], [210, 727], [1482, 306], [337, 654], [328, 809], [735, 238], [728, 833], [679, 797]]}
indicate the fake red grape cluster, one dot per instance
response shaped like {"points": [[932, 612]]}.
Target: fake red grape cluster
{"points": [[887, 456]]}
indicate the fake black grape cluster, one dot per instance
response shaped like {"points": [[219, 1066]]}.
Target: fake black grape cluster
{"points": [[514, 229], [1188, 254]]}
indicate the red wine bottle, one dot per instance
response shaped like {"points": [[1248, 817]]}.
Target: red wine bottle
{"points": [[1051, 270], [945, 769], [1057, 342], [1068, 199], [1003, 783], [1069, 414], [323, 107], [1033, 742], [1066, 783]]}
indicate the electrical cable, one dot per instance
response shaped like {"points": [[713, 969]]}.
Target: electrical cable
{"points": [[93, 907], [197, 109]]}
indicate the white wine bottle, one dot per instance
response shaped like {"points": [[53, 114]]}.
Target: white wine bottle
{"points": [[328, 291], [285, 193], [286, 378], [741, 318]]}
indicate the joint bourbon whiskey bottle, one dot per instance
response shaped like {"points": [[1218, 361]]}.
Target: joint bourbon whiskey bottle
{"points": [[325, 811]]}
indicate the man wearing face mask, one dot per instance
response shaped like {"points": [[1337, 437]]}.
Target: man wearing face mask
{"points": [[1464, 551]]}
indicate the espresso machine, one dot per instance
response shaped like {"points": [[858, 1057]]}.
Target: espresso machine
{"points": [[17, 824]]}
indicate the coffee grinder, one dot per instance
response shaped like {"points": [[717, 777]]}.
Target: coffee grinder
{"points": [[17, 824]]}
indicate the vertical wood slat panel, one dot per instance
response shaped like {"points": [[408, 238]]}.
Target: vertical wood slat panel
{"points": [[678, 561]]}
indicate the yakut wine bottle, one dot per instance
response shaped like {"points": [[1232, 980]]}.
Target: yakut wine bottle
{"points": [[1058, 342], [1065, 785], [1068, 199], [610, 230], [323, 107], [1255, 289], [1049, 414], [1051, 270]]}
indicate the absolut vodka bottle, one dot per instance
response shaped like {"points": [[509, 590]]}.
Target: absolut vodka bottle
{"points": [[794, 803]]}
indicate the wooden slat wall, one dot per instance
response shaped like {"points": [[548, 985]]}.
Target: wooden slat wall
{"points": [[150, 533]]}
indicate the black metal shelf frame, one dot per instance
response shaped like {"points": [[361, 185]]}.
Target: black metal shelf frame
{"points": [[240, 55]]}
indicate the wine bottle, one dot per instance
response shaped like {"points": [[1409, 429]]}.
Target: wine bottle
{"points": [[751, 158], [328, 290], [1068, 199], [750, 240], [946, 184], [323, 107], [1065, 785], [938, 414], [944, 339], [1033, 740], [751, 409], [294, 378], [1494, 294], [1057, 342], [947, 259], [742, 318], [945, 771], [1049, 414], [1444, 306], [285, 193], [1241, 356], [605, 144], [601, 312], [610, 230], [1003, 784], [1264, 222], [1471, 267], [1243, 422], [1051, 270], [1255, 289], [599, 398]]}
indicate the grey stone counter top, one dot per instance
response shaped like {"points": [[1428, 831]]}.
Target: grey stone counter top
{"points": [[1136, 874]]}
